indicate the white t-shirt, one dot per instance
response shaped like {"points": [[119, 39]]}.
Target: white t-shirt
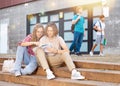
{"points": [[56, 43], [100, 27]]}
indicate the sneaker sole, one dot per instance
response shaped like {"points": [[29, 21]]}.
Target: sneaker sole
{"points": [[51, 78], [17, 75], [78, 78]]}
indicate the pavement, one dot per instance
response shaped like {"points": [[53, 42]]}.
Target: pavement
{"points": [[106, 58], [10, 84]]}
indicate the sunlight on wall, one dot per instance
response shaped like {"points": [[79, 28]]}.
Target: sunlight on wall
{"points": [[111, 3], [83, 2]]}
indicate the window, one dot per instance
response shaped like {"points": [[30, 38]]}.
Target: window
{"points": [[67, 25], [33, 19], [54, 17], [85, 13], [86, 24], [84, 47], [68, 36], [86, 35], [43, 19], [31, 28], [68, 15]]}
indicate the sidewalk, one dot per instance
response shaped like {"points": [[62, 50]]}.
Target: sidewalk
{"points": [[10, 84], [106, 58]]}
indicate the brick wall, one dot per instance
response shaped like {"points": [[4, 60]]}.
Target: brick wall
{"points": [[113, 28]]}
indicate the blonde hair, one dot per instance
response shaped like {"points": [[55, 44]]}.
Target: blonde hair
{"points": [[34, 37], [53, 26], [77, 9]]}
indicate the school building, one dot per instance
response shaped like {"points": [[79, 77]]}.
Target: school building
{"points": [[18, 17]]}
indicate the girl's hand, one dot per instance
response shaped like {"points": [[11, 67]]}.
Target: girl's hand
{"points": [[36, 43]]}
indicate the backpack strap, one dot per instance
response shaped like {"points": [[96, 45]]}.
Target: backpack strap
{"points": [[100, 24], [100, 27]]}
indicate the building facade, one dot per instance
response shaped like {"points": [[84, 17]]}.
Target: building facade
{"points": [[18, 21]]}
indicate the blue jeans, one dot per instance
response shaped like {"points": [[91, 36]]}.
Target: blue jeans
{"points": [[77, 42], [23, 56]]}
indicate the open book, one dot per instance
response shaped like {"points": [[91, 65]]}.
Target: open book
{"points": [[45, 46]]}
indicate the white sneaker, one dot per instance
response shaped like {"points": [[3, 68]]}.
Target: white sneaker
{"points": [[17, 73], [76, 75], [50, 74], [91, 53], [101, 54], [12, 71]]}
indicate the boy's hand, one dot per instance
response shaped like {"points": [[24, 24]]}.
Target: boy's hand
{"points": [[100, 30], [52, 50]]}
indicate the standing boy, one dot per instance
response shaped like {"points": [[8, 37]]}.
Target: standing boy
{"points": [[99, 28], [78, 21]]}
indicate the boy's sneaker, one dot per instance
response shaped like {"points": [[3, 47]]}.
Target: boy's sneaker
{"points": [[71, 52], [101, 54], [78, 53], [76, 75], [91, 53], [17, 73], [50, 74]]}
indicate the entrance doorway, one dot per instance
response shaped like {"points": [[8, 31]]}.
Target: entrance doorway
{"points": [[63, 19]]}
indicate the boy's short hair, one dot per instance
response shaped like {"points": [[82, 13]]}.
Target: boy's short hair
{"points": [[77, 8], [102, 16]]}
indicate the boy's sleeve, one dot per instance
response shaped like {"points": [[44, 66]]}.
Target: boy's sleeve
{"points": [[97, 24], [62, 42]]}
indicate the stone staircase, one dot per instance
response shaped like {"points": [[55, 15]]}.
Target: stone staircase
{"points": [[96, 73]]}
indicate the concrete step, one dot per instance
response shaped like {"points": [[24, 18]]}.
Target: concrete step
{"points": [[90, 74], [36, 80], [3, 83], [97, 65], [97, 74], [2, 59], [7, 55], [90, 64], [1, 64]]}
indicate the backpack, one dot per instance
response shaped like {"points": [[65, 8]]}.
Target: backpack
{"points": [[93, 26], [73, 26]]}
